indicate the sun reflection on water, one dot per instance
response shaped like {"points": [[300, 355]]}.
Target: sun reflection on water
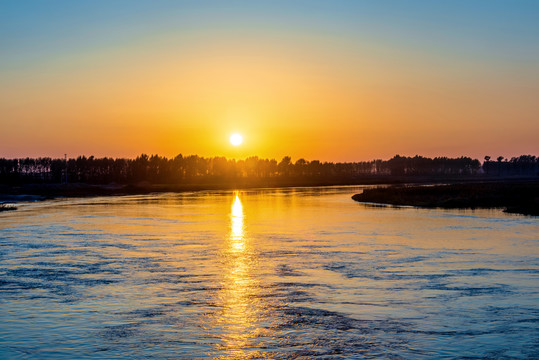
{"points": [[237, 240], [242, 313]]}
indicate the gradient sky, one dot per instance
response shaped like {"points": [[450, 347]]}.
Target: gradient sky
{"points": [[332, 80]]}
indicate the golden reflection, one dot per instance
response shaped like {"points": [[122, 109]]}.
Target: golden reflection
{"points": [[236, 225], [242, 311]]}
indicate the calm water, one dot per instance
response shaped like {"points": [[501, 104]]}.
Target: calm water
{"points": [[286, 273]]}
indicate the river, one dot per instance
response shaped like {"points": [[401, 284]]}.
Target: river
{"points": [[293, 273]]}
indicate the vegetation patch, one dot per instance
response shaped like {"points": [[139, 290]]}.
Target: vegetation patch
{"points": [[515, 197]]}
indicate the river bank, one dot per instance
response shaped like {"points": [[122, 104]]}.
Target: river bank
{"points": [[520, 197], [42, 191]]}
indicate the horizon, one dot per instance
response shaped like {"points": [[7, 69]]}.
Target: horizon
{"points": [[293, 159], [343, 81]]}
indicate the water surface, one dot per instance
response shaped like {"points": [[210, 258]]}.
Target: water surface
{"points": [[275, 273]]}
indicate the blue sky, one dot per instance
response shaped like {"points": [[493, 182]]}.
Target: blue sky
{"points": [[463, 63]]}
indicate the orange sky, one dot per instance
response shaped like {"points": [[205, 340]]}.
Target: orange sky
{"points": [[299, 86]]}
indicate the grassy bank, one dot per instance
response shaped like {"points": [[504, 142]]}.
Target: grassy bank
{"points": [[515, 197]]}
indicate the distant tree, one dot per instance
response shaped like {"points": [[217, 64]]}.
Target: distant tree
{"points": [[192, 169], [284, 166], [485, 164], [252, 166], [300, 167], [499, 159], [397, 165], [314, 168]]}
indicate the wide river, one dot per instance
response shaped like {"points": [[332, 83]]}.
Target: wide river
{"points": [[292, 273]]}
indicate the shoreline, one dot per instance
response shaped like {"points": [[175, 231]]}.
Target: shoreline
{"points": [[516, 195], [520, 197]]}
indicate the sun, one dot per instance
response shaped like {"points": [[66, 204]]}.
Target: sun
{"points": [[236, 139]]}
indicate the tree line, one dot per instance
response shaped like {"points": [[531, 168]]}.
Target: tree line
{"points": [[191, 169]]}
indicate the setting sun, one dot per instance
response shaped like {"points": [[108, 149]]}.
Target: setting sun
{"points": [[236, 139]]}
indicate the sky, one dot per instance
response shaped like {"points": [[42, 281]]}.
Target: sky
{"points": [[327, 80]]}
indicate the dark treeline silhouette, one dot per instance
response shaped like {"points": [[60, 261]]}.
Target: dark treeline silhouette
{"points": [[522, 165], [195, 169]]}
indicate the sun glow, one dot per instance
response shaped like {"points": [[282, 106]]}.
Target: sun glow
{"points": [[236, 139]]}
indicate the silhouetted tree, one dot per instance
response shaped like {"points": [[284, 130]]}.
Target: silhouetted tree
{"points": [[194, 169], [284, 166]]}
